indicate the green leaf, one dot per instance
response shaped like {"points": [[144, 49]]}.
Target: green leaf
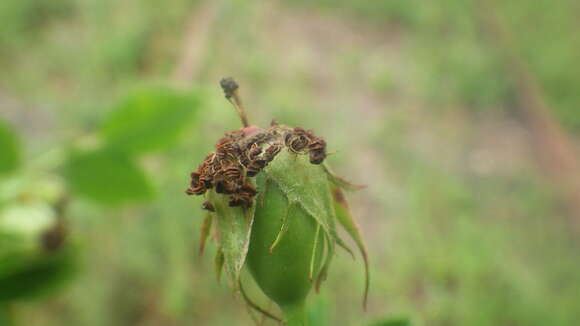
{"points": [[346, 219], [9, 149], [6, 318], [107, 177], [29, 275], [233, 225], [149, 119]]}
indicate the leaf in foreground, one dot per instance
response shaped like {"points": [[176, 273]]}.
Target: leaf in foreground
{"points": [[107, 177], [149, 119]]}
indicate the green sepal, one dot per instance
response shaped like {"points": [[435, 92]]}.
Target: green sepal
{"points": [[205, 230], [340, 181], [219, 263], [250, 303], [306, 185], [284, 274], [346, 219], [234, 225], [326, 264]]}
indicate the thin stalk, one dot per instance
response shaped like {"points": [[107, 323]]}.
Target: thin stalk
{"points": [[231, 91]]}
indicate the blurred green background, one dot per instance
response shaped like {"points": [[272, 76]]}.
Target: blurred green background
{"points": [[470, 214]]}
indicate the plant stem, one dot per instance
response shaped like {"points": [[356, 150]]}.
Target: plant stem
{"points": [[231, 88], [295, 314]]}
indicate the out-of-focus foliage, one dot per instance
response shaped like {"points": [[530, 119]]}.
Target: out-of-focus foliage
{"points": [[149, 119], [29, 266], [108, 177], [460, 63], [146, 120], [25, 18], [5, 317], [10, 158], [25, 275], [463, 229]]}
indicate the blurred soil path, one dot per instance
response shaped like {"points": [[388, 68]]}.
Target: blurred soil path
{"points": [[195, 41], [338, 59], [554, 147]]}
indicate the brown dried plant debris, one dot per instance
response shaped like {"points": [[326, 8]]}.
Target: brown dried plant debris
{"points": [[243, 153]]}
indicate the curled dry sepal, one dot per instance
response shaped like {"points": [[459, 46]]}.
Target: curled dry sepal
{"points": [[275, 205]]}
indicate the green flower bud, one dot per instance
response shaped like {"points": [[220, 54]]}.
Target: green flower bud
{"points": [[287, 245], [274, 206]]}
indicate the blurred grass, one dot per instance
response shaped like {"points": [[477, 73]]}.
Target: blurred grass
{"points": [[459, 66], [462, 228]]}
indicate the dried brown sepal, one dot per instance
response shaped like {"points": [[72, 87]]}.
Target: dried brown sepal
{"points": [[208, 206], [272, 151], [196, 187], [244, 153], [244, 197], [301, 141], [297, 140], [317, 150]]}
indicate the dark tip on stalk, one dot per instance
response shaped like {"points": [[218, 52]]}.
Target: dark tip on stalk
{"points": [[231, 87]]}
